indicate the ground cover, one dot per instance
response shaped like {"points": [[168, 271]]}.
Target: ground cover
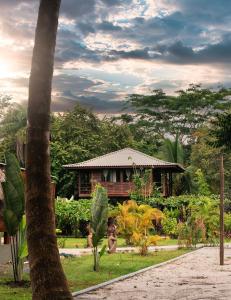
{"points": [[80, 274]]}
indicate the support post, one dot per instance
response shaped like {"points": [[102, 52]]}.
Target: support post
{"points": [[222, 210]]}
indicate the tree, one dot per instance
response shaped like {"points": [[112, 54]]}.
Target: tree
{"points": [[183, 113], [12, 128], [79, 135], [173, 151], [222, 130], [205, 156], [47, 277]]}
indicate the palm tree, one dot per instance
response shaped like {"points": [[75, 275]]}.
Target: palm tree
{"points": [[47, 277], [173, 150]]}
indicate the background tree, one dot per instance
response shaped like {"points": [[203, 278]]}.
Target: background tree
{"points": [[181, 114], [47, 277], [222, 130]]}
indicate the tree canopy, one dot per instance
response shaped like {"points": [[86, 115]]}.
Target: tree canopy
{"points": [[179, 114]]}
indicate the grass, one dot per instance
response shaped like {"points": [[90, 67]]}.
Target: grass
{"points": [[82, 242], [80, 274]]}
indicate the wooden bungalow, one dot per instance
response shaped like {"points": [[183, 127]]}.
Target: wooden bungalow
{"points": [[115, 172]]}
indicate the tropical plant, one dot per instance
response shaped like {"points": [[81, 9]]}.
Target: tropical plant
{"points": [[99, 217], [14, 202], [70, 213], [222, 130], [135, 222], [201, 184], [201, 222], [142, 185], [227, 224], [48, 280], [169, 223]]}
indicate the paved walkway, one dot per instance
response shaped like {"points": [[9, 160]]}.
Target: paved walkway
{"points": [[193, 277]]}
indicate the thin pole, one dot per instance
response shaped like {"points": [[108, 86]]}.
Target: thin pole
{"points": [[222, 210]]}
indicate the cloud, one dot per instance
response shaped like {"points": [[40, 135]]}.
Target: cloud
{"points": [[109, 48]]}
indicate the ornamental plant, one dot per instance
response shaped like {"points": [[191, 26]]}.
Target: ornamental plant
{"points": [[135, 222], [69, 213], [99, 217], [13, 214]]}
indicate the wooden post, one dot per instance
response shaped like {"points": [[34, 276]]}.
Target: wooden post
{"points": [[222, 210]]}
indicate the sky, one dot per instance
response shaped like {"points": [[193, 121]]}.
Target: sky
{"points": [[108, 49]]}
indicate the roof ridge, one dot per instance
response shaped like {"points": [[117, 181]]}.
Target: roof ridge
{"points": [[89, 160], [120, 150], [149, 156]]}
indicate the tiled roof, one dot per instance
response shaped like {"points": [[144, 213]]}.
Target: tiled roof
{"points": [[126, 157]]}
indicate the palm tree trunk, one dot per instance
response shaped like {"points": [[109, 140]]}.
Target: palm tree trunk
{"points": [[47, 276]]}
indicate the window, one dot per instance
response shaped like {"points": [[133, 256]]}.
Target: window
{"points": [[109, 175]]}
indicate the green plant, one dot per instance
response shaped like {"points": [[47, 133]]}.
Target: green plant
{"points": [[227, 224], [135, 222], [201, 184], [99, 217], [169, 226], [13, 212], [142, 186], [69, 214], [61, 242]]}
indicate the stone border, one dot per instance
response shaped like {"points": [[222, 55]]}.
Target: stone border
{"points": [[123, 277]]}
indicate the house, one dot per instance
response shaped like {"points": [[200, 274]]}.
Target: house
{"points": [[115, 172]]}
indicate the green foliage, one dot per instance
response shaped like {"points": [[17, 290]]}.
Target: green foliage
{"points": [[13, 189], [80, 135], [61, 242], [201, 184], [142, 186], [13, 212], [69, 213], [99, 217], [169, 223], [135, 222], [12, 124], [227, 224], [172, 151], [222, 130], [183, 113]]}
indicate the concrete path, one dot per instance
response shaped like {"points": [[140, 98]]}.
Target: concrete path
{"points": [[193, 277]]}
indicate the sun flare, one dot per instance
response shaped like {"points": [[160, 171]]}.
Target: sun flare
{"points": [[6, 69]]}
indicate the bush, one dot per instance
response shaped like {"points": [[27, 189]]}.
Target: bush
{"points": [[169, 225], [227, 223], [135, 222], [70, 213]]}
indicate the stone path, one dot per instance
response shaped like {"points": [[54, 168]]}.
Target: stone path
{"points": [[196, 276]]}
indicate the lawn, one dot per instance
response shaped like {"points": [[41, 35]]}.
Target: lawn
{"points": [[80, 274], [82, 242]]}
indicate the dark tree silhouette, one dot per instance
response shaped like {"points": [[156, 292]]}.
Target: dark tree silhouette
{"points": [[47, 276]]}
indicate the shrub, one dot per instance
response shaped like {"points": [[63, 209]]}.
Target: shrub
{"points": [[69, 213], [135, 222], [227, 224], [169, 224]]}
